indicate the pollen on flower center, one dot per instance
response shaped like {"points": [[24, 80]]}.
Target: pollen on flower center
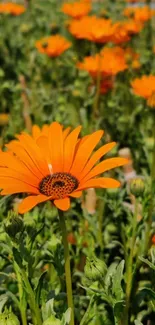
{"points": [[58, 185]]}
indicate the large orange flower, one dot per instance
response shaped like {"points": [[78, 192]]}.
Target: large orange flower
{"points": [[12, 8], [139, 14], [53, 46], [92, 28], [109, 62], [76, 9], [55, 167], [144, 86]]}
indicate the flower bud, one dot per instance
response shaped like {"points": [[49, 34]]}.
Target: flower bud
{"points": [[52, 321], [8, 318], [13, 225], [95, 269], [137, 187]]}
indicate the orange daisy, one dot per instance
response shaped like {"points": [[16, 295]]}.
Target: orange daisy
{"points": [[92, 28], [12, 8], [55, 167], [110, 62], [76, 9], [142, 14], [53, 46], [145, 87]]}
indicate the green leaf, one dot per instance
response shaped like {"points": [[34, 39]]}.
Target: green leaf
{"points": [[66, 317], [17, 257], [39, 287], [149, 292], [147, 262], [3, 300], [116, 281], [137, 322]]}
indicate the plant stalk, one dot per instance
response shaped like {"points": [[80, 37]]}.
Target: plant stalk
{"points": [[67, 265], [129, 272]]}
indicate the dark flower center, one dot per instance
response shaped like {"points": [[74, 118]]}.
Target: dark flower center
{"points": [[58, 185]]}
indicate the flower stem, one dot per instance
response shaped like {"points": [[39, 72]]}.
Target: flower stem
{"points": [[129, 272], [36, 315], [67, 265], [97, 95], [22, 301]]}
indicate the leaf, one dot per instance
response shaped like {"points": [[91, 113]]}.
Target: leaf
{"points": [[3, 300], [147, 262], [17, 257], [149, 292], [108, 277], [118, 309], [66, 317], [116, 281], [39, 287], [48, 309], [137, 322]]}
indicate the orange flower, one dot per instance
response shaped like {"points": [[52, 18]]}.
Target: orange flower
{"points": [[12, 8], [92, 28], [53, 46], [120, 33], [76, 9], [142, 14], [144, 86], [4, 119], [133, 26], [110, 62], [55, 167], [153, 240]]}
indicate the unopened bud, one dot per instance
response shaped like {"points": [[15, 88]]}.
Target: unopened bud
{"points": [[13, 225], [95, 269], [137, 187], [52, 321]]}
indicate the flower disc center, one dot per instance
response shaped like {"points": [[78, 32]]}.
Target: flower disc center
{"points": [[58, 185]]}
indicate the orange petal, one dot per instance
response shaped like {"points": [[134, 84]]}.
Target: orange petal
{"points": [[56, 147], [30, 202], [62, 204], [66, 132], [102, 182], [84, 151], [76, 194], [104, 166], [35, 131], [95, 157], [30, 146], [69, 148], [10, 186]]}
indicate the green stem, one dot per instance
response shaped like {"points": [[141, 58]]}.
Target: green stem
{"points": [[67, 265], [151, 206], [36, 314], [97, 95], [22, 303], [129, 272], [100, 223]]}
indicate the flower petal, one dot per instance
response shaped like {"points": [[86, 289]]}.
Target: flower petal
{"points": [[76, 194], [56, 147], [84, 151], [62, 204], [30, 202], [104, 166], [69, 148], [102, 182], [95, 157]]}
